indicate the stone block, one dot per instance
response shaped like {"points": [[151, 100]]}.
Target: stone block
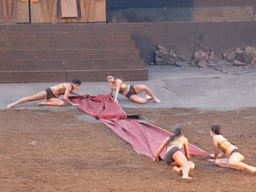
{"points": [[244, 13], [32, 76], [100, 75], [68, 9]]}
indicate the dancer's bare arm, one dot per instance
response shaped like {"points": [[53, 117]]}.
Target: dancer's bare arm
{"points": [[161, 148], [215, 152], [65, 97], [111, 92], [118, 85], [215, 143], [186, 149]]}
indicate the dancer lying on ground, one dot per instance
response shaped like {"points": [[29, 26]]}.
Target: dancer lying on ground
{"points": [[52, 95], [235, 157], [130, 91], [174, 156]]}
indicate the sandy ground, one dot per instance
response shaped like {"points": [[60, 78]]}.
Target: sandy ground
{"points": [[42, 150]]}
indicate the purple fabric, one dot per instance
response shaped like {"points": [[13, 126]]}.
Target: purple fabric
{"points": [[145, 138], [99, 107]]}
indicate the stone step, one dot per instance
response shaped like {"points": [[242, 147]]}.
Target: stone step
{"points": [[5, 45], [71, 27], [60, 64], [70, 54], [61, 52], [67, 76], [65, 37], [100, 75]]}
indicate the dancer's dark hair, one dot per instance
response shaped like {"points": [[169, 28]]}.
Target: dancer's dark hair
{"points": [[216, 129], [109, 74], [76, 81], [177, 133]]}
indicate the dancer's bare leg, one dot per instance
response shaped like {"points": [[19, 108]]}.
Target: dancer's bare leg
{"points": [[175, 168], [52, 102], [224, 163], [178, 169], [39, 96], [184, 164], [220, 155], [148, 97], [140, 88], [138, 99], [236, 160]]}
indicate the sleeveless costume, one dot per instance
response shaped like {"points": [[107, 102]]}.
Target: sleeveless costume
{"points": [[61, 91], [128, 89], [223, 145], [49, 93], [168, 156]]}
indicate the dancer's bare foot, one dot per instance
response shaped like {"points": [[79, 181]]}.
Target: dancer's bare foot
{"points": [[187, 177], [175, 168], [252, 170], [157, 100], [9, 106], [42, 103], [148, 97]]}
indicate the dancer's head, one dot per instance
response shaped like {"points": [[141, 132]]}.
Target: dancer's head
{"points": [[178, 132], [215, 129], [110, 77], [109, 74], [76, 83]]}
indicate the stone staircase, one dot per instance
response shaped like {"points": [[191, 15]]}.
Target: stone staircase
{"points": [[32, 53]]}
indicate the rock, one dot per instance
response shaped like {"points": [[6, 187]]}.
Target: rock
{"points": [[239, 54], [33, 143], [250, 55], [238, 63], [234, 62], [182, 64], [165, 57], [200, 55], [229, 57], [202, 64], [204, 59]]}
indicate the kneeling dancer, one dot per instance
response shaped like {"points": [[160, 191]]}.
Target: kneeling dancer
{"points": [[235, 157], [174, 156]]}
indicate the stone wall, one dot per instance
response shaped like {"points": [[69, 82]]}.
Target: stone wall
{"points": [[179, 10], [186, 37]]}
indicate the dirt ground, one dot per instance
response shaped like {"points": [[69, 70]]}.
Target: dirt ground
{"points": [[56, 151]]}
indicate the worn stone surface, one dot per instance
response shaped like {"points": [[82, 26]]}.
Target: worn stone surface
{"points": [[222, 13]]}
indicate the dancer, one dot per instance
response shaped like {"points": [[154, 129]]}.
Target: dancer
{"points": [[174, 156], [52, 95], [130, 91], [235, 157]]}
